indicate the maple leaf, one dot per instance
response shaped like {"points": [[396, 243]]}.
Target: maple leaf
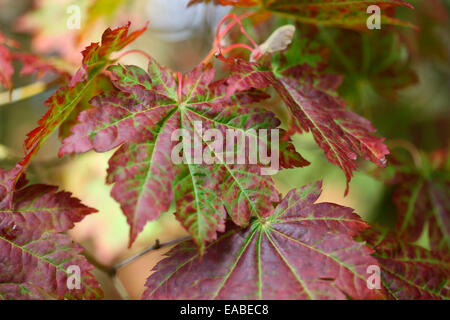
{"points": [[420, 203], [241, 3], [302, 251], [314, 107], [144, 114], [35, 254], [385, 71], [423, 199], [341, 13], [421, 185], [33, 64], [409, 272], [102, 9], [7, 181], [101, 84], [62, 103], [6, 59], [47, 22]]}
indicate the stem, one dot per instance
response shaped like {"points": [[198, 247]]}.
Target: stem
{"points": [[111, 271], [222, 33], [180, 85], [156, 246], [134, 51], [100, 266], [237, 45], [213, 52]]}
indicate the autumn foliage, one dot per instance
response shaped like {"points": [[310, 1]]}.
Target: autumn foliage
{"points": [[248, 241]]}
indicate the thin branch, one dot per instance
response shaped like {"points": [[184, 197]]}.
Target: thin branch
{"points": [[100, 266], [237, 20], [180, 86], [221, 33], [111, 271], [143, 53], [156, 246]]}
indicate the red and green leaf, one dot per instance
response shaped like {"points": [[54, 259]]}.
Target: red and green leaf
{"points": [[6, 59], [35, 254], [96, 58], [314, 107], [424, 203], [304, 250], [33, 64], [422, 197], [342, 13], [410, 272], [142, 116]]}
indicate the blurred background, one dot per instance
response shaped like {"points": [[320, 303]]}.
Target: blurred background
{"points": [[397, 77]]}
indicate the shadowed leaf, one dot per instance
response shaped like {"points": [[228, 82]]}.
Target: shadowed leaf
{"points": [[35, 254]]}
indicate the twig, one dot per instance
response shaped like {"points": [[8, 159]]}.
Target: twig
{"points": [[222, 33], [143, 53], [156, 246], [111, 271], [100, 266]]}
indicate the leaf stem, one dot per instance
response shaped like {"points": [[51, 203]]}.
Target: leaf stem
{"points": [[236, 19], [134, 51], [220, 34], [225, 50], [111, 271], [157, 245], [180, 85]]}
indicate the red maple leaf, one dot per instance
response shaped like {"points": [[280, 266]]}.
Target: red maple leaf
{"points": [[143, 114], [314, 107], [302, 251], [35, 254], [61, 104]]}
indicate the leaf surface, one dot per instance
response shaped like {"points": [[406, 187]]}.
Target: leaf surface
{"points": [[303, 251], [424, 203], [410, 272], [143, 116], [6, 59], [421, 195], [65, 99], [348, 14], [314, 107], [35, 254]]}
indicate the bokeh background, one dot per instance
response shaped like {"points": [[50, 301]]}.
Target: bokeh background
{"points": [[399, 79]]}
